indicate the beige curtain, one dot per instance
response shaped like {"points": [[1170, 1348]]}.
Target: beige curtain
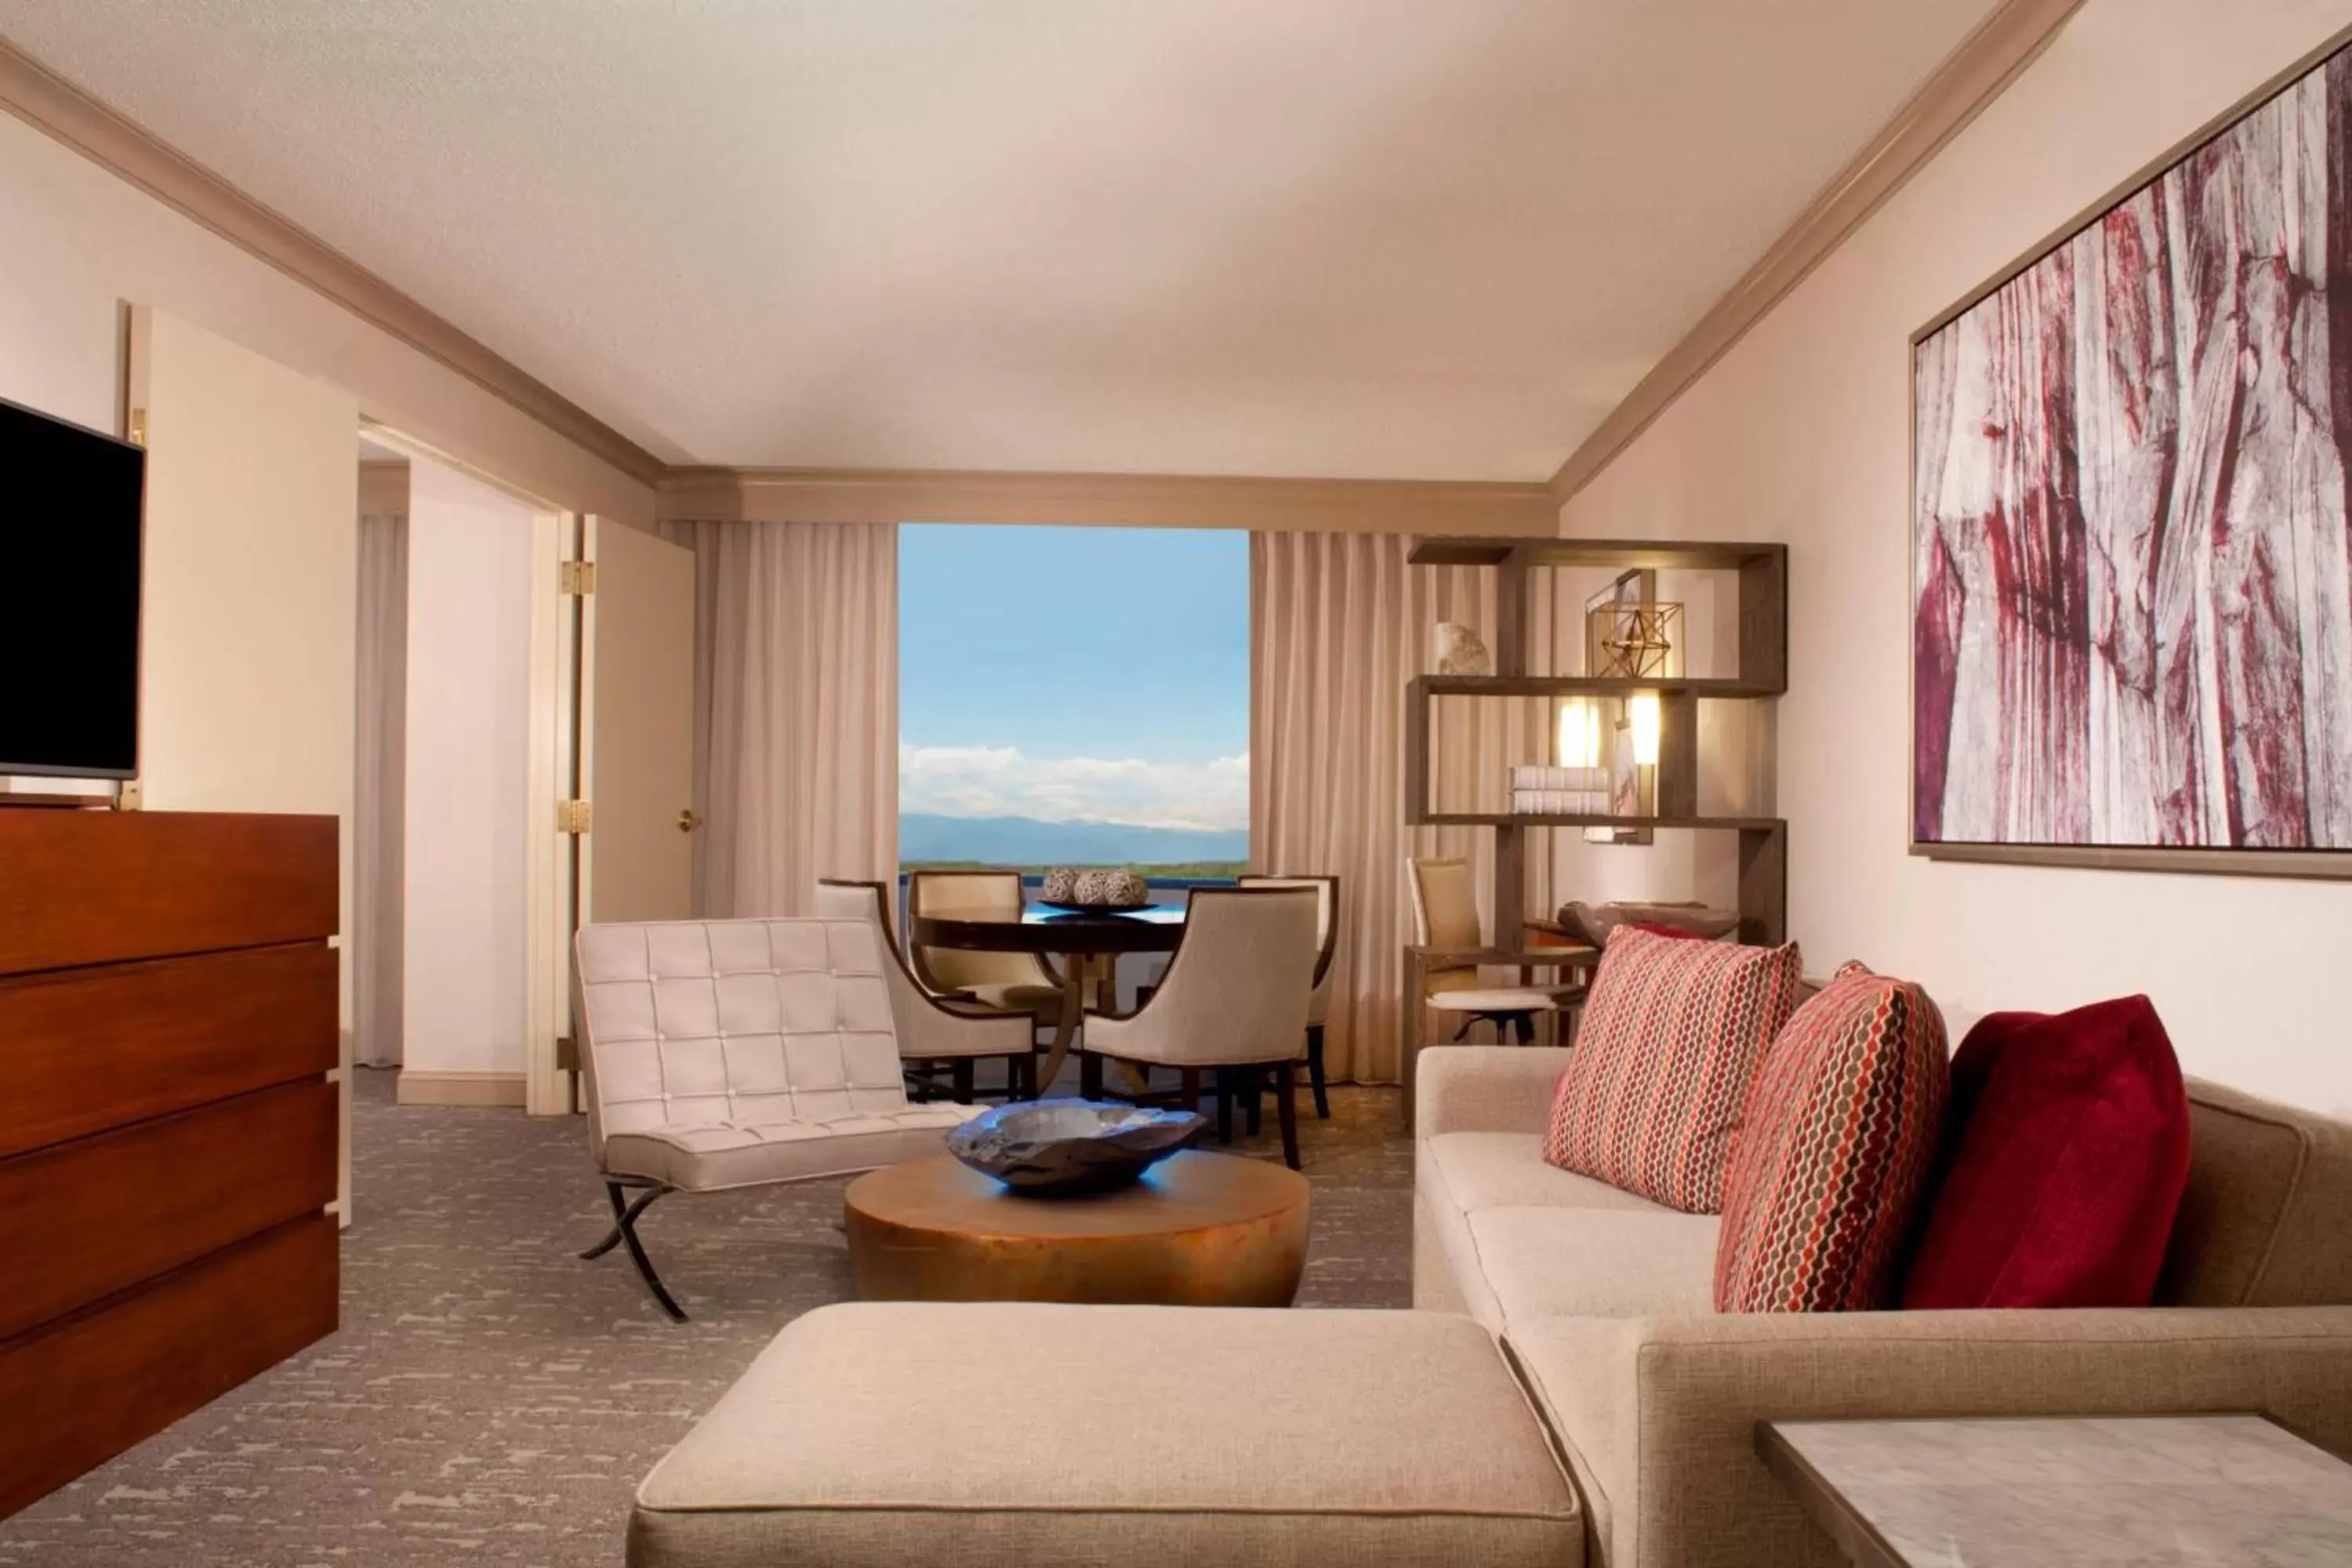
{"points": [[796, 697], [1339, 624], [378, 797]]}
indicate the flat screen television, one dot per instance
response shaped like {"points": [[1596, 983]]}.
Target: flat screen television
{"points": [[70, 505]]}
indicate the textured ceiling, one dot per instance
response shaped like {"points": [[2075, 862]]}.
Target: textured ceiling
{"points": [[1397, 238]]}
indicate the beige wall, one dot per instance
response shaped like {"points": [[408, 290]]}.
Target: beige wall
{"points": [[465, 868], [79, 243], [1801, 434]]}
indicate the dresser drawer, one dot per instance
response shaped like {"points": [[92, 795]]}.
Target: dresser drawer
{"points": [[102, 1214]]}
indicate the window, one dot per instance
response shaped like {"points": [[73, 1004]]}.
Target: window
{"points": [[1074, 697]]}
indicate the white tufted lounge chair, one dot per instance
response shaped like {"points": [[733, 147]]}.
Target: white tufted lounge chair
{"points": [[736, 1053]]}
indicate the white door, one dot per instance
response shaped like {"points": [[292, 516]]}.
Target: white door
{"points": [[248, 627], [640, 728]]}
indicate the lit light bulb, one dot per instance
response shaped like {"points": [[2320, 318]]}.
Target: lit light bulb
{"points": [[1580, 734], [1642, 710]]}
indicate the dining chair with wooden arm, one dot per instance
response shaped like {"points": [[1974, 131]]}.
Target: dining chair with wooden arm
{"points": [[1318, 1003], [1235, 995], [936, 1035], [1007, 982]]}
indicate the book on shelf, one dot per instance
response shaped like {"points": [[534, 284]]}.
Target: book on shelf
{"points": [[1560, 802], [1525, 776]]}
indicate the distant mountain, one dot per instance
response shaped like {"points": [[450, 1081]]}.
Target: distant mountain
{"points": [[1026, 841]]}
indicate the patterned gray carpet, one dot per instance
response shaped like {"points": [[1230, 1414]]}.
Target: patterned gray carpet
{"points": [[490, 1398]]}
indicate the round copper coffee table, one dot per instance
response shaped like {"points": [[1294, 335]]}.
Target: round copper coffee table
{"points": [[1199, 1230]]}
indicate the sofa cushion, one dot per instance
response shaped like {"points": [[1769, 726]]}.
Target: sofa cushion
{"points": [[1457, 1174], [1669, 1043], [1506, 1170], [2068, 1150], [1840, 1134], [877, 1433], [1597, 1263]]}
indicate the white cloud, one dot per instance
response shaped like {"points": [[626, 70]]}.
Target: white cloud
{"points": [[1001, 780]]}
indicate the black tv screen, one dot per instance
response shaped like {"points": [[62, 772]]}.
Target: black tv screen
{"points": [[70, 501]]}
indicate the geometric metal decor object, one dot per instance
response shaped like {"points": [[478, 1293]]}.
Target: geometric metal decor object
{"points": [[1633, 641]]}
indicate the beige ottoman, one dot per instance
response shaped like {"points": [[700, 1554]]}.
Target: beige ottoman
{"points": [[1015, 1435]]}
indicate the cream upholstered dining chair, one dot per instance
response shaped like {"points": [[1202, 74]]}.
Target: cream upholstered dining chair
{"points": [[723, 1054], [934, 1033], [1008, 982], [1445, 925], [1235, 995], [1326, 939]]}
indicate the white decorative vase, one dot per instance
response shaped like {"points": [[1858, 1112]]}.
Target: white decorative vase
{"points": [[1459, 650]]}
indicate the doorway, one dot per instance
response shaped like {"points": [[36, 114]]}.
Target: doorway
{"points": [[459, 701]]}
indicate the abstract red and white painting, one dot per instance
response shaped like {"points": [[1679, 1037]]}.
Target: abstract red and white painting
{"points": [[2131, 565]]}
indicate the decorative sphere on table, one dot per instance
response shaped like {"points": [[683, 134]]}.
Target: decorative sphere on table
{"points": [[1104, 888], [1061, 885]]}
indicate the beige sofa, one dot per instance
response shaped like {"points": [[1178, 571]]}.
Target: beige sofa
{"points": [[1605, 1305]]}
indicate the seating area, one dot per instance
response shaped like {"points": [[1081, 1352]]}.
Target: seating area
{"points": [[1525, 786]]}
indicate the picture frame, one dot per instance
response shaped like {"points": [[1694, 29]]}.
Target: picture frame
{"points": [[2093, 757]]}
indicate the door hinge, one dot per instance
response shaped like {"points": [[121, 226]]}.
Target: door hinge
{"points": [[576, 579], [573, 816], [137, 428], [567, 1054]]}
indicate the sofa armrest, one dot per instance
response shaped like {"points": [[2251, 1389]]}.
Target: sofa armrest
{"points": [[1485, 1088], [1660, 1416]]}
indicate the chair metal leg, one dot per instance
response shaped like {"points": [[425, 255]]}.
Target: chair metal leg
{"points": [[1090, 1076], [1315, 1072], [1189, 1089], [1523, 1024], [1285, 1110], [959, 1075], [625, 1233], [1225, 1078]]}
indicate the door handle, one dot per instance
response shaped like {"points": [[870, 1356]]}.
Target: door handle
{"points": [[689, 820]]}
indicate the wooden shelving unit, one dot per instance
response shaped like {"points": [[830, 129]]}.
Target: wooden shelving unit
{"points": [[1763, 674]]}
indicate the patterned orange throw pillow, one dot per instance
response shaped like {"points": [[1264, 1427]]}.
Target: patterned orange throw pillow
{"points": [[1670, 1042], [1840, 1134]]}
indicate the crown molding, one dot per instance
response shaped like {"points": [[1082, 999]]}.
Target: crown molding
{"points": [[1121, 500], [1986, 62], [48, 103]]}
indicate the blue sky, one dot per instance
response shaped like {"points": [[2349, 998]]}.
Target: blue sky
{"points": [[1074, 673]]}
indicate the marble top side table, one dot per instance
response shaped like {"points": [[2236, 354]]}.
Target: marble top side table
{"points": [[2034, 1491]]}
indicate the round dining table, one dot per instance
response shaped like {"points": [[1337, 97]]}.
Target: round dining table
{"points": [[1050, 930]]}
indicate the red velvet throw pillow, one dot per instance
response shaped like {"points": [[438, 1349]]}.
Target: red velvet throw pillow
{"points": [[1834, 1154], [2072, 1151], [1671, 1037]]}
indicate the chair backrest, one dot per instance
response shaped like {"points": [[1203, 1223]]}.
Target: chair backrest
{"points": [[845, 898], [741, 1022], [948, 969], [1237, 989], [1446, 909], [910, 1005], [1327, 909]]}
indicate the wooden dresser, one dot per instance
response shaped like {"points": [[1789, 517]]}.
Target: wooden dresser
{"points": [[167, 1126]]}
